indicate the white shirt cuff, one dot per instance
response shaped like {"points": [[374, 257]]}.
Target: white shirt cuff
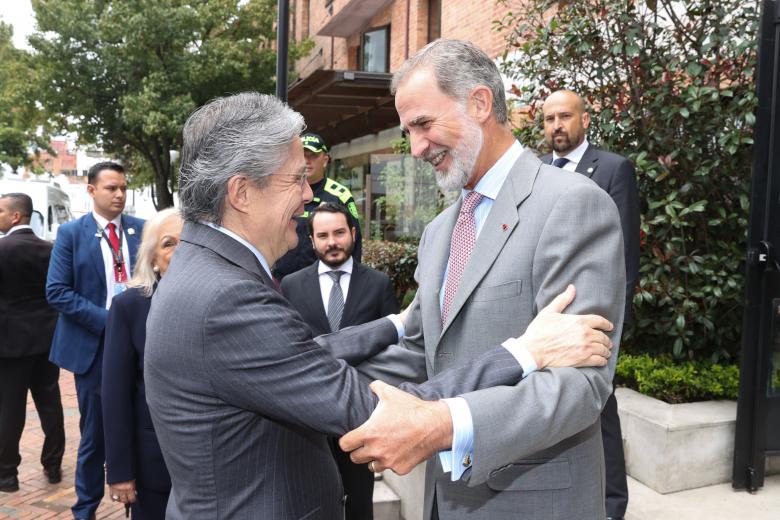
{"points": [[399, 325], [521, 354], [458, 459]]}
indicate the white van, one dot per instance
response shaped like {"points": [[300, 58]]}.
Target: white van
{"points": [[51, 204]]}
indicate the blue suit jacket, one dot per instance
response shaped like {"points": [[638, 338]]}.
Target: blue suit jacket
{"points": [[132, 450], [76, 287]]}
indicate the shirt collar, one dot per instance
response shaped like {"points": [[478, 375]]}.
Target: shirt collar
{"points": [[490, 183], [18, 228], [575, 155], [240, 240], [103, 222], [322, 268]]}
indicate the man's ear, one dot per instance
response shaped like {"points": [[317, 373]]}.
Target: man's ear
{"points": [[354, 233], [238, 193], [16, 217], [91, 190], [481, 103], [585, 120]]}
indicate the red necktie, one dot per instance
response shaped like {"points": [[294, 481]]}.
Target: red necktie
{"points": [[464, 235], [119, 268]]}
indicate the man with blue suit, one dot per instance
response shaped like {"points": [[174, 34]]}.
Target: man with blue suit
{"points": [[92, 258]]}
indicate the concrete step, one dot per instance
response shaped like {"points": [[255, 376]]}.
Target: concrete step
{"points": [[387, 505]]}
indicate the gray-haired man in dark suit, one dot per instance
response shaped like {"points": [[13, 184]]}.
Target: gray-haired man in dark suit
{"points": [[241, 397]]}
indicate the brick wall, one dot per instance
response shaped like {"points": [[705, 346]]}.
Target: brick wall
{"points": [[463, 19]]}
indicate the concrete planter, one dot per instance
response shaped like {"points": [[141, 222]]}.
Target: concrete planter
{"points": [[672, 447]]}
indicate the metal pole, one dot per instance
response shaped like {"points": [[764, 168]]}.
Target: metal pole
{"points": [[282, 39]]}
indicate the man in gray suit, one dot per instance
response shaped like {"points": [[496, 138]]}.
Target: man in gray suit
{"points": [[566, 120], [532, 450], [241, 397]]}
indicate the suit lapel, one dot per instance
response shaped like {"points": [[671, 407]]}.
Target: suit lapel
{"points": [[354, 293], [133, 239], [589, 162], [311, 283], [498, 227], [89, 232], [432, 277]]}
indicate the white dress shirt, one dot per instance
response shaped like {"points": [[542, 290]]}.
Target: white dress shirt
{"points": [[574, 157], [18, 227], [326, 282], [112, 286]]}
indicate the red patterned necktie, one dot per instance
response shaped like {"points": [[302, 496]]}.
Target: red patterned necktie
{"points": [[464, 235], [119, 269]]}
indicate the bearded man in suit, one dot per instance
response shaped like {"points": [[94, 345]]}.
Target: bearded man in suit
{"points": [[241, 397], [350, 293], [532, 450], [566, 120]]}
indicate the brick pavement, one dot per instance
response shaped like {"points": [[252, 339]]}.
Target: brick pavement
{"points": [[37, 498]]}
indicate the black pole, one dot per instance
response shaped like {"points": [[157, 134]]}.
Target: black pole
{"points": [[282, 39], [755, 410]]}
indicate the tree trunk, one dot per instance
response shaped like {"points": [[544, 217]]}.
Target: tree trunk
{"points": [[160, 158]]}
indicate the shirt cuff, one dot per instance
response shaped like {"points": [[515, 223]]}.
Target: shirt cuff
{"points": [[520, 352], [399, 325], [458, 459]]}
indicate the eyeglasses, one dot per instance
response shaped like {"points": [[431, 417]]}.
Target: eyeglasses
{"points": [[300, 176]]}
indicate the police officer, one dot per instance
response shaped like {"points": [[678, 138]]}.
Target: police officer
{"points": [[324, 190]]}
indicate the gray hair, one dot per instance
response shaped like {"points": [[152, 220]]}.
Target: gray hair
{"points": [[244, 134], [144, 276], [459, 67]]}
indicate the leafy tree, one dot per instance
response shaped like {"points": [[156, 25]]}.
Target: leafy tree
{"points": [[670, 85], [21, 129], [125, 74]]}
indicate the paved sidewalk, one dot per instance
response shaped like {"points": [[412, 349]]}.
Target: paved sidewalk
{"points": [[36, 498], [718, 502]]}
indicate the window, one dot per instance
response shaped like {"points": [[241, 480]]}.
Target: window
{"points": [[375, 50], [434, 20]]}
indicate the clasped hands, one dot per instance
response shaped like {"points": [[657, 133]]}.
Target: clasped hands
{"points": [[404, 430]]}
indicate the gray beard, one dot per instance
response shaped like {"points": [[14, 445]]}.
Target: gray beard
{"points": [[464, 157]]}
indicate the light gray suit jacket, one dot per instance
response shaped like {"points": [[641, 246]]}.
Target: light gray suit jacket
{"points": [[241, 397], [537, 448]]}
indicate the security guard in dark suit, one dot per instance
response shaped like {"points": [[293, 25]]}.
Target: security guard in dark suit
{"points": [[26, 328], [325, 190]]}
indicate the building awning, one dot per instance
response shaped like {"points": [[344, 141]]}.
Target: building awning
{"points": [[352, 17], [342, 105]]}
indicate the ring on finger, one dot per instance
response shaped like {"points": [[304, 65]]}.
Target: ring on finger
{"points": [[371, 467]]}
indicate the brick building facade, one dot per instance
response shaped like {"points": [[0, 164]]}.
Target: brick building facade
{"points": [[342, 85]]}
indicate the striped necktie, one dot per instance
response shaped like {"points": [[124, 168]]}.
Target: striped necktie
{"points": [[336, 301]]}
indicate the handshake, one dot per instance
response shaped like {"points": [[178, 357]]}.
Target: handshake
{"points": [[405, 430]]}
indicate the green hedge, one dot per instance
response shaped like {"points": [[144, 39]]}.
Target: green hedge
{"points": [[670, 85], [398, 260], [677, 382]]}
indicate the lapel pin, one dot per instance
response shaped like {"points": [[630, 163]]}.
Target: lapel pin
{"points": [[131, 231], [590, 170], [504, 226], [98, 235]]}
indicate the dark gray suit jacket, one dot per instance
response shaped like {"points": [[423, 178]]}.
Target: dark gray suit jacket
{"points": [[241, 397], [26, 320], [616, 175], [370, 297]]}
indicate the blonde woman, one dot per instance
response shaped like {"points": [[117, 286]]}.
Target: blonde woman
{"points": [[135, 470]]}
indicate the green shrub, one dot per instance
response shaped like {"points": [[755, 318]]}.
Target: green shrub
{"points": [[398, 260], [677, 382], [670, 86]]}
